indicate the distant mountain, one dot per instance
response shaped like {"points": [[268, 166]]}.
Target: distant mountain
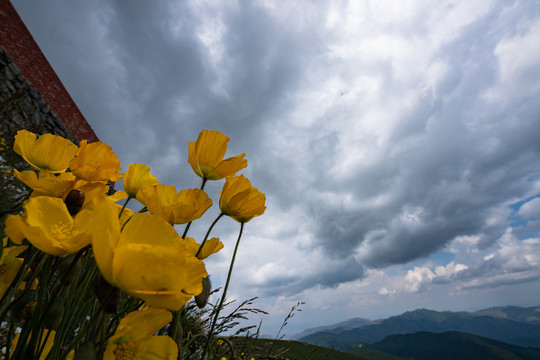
{"points": [[502, 327], [450, 346], [334, 328], [529, 315]]}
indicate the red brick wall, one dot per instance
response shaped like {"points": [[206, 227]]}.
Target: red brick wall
{"points": [[24, 51]]}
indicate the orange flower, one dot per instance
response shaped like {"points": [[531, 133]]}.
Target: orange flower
{"points": [[240, 200], [147, 259], [206, 156], [211, 246], [47, 224], [138, 176], [49, 151], [59, 185], [163, 201], [96, 162], [134, 338]]}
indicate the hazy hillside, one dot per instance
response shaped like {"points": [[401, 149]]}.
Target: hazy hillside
{"points": [[500, 328], [294, 350], [516, 313], [333, 328], [452, 345]]}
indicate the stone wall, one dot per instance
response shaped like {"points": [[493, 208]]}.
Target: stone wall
{"points": [[22, 107], [19, 43]]}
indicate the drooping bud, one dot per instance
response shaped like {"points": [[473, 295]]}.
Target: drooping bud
{"points": [[202, 298], [54, 315], [109, 296], [74, 201], [179, 336], [28, 310], [69, 270], [18, 310], [87, 351]]}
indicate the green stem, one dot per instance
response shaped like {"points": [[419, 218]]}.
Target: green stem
{"points": [[216, 315], [186, 230], [10, 291], [14, 286], [176, 315], [123, 207], [208, 234], [189, 223], [173, 331], [41, 344]]}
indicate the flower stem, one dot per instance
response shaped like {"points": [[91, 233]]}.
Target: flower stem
{"points": [[216, 315], [189, 223], [208, 234], [176, 314], [123, 207]]}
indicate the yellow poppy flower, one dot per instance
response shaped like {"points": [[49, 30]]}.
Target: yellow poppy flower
{"points": [[137, 176], [59, 185], [118, 195], [147, 259], [163, 201], [14, 228], [96, 162], [211, 246], [48, 225], [47, 184], [134, 338], [49, 151], [206, 156], [240, 200], [9, 266]]}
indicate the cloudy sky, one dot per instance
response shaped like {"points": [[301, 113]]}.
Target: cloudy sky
{"points": [[398, 143]]}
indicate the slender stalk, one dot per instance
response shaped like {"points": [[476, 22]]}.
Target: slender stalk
{"points": [[123, 207], [189, 223], [207, 235], [173, 331], [216, 315]]}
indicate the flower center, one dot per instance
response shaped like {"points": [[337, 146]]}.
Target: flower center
{"points": [[62, 231], [127, 350]]}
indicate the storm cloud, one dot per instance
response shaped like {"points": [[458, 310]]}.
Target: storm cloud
{"points": [[383, 134]]}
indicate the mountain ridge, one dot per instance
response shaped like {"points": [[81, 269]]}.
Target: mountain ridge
{"points": [[513, 325]]}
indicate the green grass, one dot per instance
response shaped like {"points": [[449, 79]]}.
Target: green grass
{"points": [[294, 350]]}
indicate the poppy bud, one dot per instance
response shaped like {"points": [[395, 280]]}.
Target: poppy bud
{"points": [[179, 335], [74, 201], [87, 351], [18, 309], [202, 298], [54, 315], [69, 270], [109, 296], [34, 265], [28, 310]]}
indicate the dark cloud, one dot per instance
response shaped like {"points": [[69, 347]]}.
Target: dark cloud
{"points": [[323, 274], [453, 160], [390, 136]]}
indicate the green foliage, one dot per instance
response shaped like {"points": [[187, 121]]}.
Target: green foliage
{"points": [[452, 345], [294, 350]]}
